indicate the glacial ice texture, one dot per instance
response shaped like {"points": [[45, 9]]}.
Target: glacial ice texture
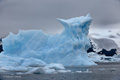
{"points": [[36, 48]]}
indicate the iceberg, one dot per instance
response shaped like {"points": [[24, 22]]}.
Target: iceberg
{"points": [[34, 48]]}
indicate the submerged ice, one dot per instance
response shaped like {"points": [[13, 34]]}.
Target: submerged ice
{"points": [[34, 48]]}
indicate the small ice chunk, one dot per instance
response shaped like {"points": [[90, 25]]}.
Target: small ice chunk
{"points": [[55, 66], [63, 71], [36, 70], [32, 62], [88, 71], [79, 71], [50, 71], [41, 70]]}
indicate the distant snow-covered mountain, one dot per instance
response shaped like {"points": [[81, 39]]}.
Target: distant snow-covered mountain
{"points": [[105, 39]]}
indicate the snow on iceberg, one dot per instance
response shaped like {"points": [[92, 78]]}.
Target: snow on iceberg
{"points": [[35, 48]]}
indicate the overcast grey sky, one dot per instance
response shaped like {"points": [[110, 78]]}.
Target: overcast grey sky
{"points": [[42, 14]]}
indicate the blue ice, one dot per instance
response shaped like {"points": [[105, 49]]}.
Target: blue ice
{"points": [[68, 48]]}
